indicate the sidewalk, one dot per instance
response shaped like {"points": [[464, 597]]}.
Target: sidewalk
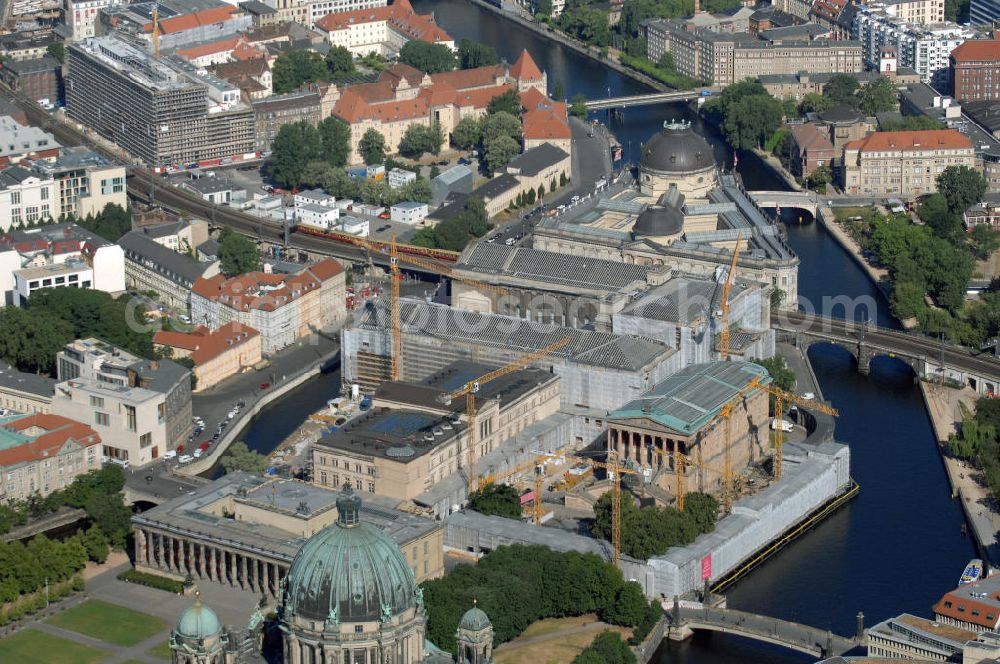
{"points": [[978, 504]]}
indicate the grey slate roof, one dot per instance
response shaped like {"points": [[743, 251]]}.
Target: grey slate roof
{"points": [[537, 159], [454, 174], [613, 351], [11, 378], [681, 300], [553, 267], [179, 268], [496, 186]]}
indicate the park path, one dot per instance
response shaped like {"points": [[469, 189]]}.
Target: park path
{"points": [[595, 626], [119, 654]]}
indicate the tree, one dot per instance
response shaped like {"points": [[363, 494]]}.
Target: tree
{"points": [[92, 313], [435, 171], [295, 145], [541, 192], [751, 120], [784, 378], [962, 187], [110, 515], [819, 178], [508, 102], [415, 141], [815, 103], [545, 7], [910, 123], [339, 63], [428, 58], [372, 146], [468, 132], [840, 90], [606, 648], [499, 152], [501, 123], [110, 223], [984, 240], [934, 212], [238, 254], [563, 179], [30, 339], [588, 25], [239, 457], [294, 68], [472, 54], [558, 90], [578, 105], [57, 50], [877, 96], [96, 543], [497, 499], [629, 606], [335, 139]]}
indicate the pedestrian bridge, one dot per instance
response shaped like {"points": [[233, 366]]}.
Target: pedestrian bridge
{"points": [[649, 99], [801, 200], [819, 643]]}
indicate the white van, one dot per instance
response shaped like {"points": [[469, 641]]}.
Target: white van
{"points": [[782, 424]]}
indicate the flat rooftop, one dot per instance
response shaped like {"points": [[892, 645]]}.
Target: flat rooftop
{"points": [[682, 299], [395, 434], [429, 392], [190, 514]]}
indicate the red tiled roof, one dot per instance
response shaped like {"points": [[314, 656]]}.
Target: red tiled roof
{"points": [[931, 139], [205, 345], [480, 97], [466, 79], [967, 606], [220, 46], [543, 118], [525, 69], [399, 14], [57, 431], [974, 50], [402, 72], [265, 292], [193, 20], [809, 137]]}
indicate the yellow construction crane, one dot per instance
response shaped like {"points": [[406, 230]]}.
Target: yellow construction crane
{"points": [[470, 389], [780, 397], [724, 319], [156, 29], [727, 469], [395, 360], [681, 461]]}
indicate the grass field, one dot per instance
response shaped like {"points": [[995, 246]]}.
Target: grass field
{"points": [[161, 651], [567, 639], [108, 622], [29, 646]]}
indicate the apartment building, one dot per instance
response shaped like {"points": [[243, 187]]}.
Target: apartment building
{"points": [[217, 355], [320, 8], [43, 453], [723, 59], [975, 70], [381, 30], [272, 112], [140, 408], [18, 141], [85, 181], [181, 22], [25, 197], [283, 308], [925, 48], [82, 16], [150, 266], [161, 109], [922, 12], [904, 163]]}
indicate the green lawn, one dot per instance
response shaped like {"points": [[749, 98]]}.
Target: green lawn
{"points": [[108, 622], [29, 646], [162, 650]]}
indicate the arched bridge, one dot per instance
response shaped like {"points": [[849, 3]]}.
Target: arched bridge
{"points": [[794, 636], [649, 99], [929, 357], [802, 200]]}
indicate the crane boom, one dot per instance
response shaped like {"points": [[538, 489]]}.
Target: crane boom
{"points": [[780, 397], [724, 334]]}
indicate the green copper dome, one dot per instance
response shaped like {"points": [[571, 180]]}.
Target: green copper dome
{"points": [[475, 619], [198, 622], [349, 572]]}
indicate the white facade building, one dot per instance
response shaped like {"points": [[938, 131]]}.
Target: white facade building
{"points": [[321, 8], [319, 216], [408, 212], [354, 226], [925, 49], [82, 16], [25, 197], [400, 176]]}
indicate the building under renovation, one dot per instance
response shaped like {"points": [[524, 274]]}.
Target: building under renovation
{"points": [[598, 371], [161, 109], [679, 421]]}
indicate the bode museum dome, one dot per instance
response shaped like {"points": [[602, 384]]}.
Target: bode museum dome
{"points": [[350, 597], [677, 156]]}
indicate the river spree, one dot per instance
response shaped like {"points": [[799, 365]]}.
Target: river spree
{"points": [[898, 546]]}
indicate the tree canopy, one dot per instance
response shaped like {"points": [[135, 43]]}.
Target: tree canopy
{"points": [[110, 223], [296, 144], [509, 102], [607, 648], [239, 457], [421, 138], [910, 123], [518, 585], [877, 96], [500, 151], [472, 54], [454, 233], [294, 68], [498, 499], [237, 253], [428, 58], [650, 531], [840, 90], [372, 146], [340, 63], [962, 187]]}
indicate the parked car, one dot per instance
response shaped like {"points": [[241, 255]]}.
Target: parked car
{"points": [[185, 458], [808, 395], [443, 162], [170, 454], [464, 162], [782, 424], [264, 386], [197, 453]]}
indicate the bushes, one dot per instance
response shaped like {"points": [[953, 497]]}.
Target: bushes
{"points": [[650, 531], [25, 568], [606, 648], [518, 585], [35, 602], [497, 499], [152, 581]]}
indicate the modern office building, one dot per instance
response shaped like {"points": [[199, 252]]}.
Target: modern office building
{"points": [[85, 181], [160, 109], [140, 408]]}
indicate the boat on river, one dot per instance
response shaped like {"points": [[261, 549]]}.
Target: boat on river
{"points": [[972, 573]]}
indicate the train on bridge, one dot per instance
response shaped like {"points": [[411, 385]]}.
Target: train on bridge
{"points": [[406, 249]]}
